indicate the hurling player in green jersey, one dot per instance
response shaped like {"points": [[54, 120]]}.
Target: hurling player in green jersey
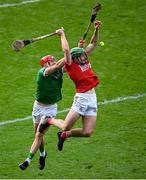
{"points": [[48, 93]]}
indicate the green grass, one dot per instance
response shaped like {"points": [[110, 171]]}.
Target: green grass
{"points": [[117, 148]]}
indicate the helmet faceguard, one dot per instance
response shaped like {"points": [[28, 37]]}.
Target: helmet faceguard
{"points": [[76, 55], [76, 52], [48, 58]]}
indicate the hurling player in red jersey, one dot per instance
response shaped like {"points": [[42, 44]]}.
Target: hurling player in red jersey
{"points": [[85, 101]]}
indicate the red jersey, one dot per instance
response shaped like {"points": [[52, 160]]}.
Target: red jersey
{"points": [[82, 75]]}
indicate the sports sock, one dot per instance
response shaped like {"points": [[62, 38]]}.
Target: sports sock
{"points": [[28, 160], [49, 121], [64, 135], [29, 157], [43, 153]]}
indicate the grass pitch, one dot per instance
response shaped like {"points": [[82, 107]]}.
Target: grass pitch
{"points": [[117, 149]]}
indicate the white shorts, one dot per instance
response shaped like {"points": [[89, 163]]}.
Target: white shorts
{"points": [[45, 111], [85, 104]]}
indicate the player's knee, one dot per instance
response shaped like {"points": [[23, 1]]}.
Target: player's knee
{"points": [[87, 133], [43, 124], [43, 127], [66, 128], [38, 135]]}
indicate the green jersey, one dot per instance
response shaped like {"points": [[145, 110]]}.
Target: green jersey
{"points": [[49, 87]]}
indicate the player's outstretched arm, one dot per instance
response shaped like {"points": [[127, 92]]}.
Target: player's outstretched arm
{"points": [[94, 38], [65, 46]]}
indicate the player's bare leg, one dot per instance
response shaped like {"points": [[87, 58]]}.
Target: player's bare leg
{"points": [[70, 120], [56, 122], [37, 143], [42, 143], [89, 124], [43, 153]]}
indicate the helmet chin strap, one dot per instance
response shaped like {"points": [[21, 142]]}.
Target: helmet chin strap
{"points": [[79, 61]]}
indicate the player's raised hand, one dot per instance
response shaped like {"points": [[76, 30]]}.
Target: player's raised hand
{"points": [[60, 31], [97, 24], [81, 43]]}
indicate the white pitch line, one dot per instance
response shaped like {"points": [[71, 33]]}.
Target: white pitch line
{"points": [[122, 98], [116, 100], [18, 4]]}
